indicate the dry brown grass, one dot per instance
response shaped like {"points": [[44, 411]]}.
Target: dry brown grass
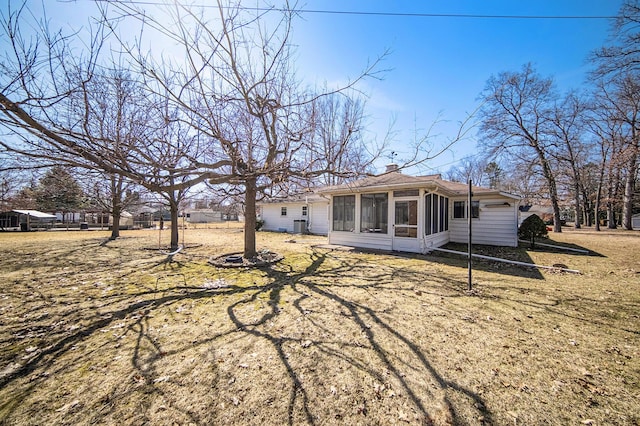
{"points": [[95, 333]]}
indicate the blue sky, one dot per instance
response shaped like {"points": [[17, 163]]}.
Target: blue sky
{"points": [[438, 65]]}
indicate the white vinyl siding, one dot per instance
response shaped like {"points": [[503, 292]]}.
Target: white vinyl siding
{"points": [[496, 225], [317, 219]]}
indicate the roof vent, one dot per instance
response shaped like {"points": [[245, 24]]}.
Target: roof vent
{"points": [[391, 168]]}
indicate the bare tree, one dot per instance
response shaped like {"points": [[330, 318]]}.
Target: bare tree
{"points": [[238, 92], [617, 73], [469, 168], [338, 127], [113, 194], [608, 133], [515, 120], [627, 107], [62, 103], [622, 55], [618, 128], [568, 130]]}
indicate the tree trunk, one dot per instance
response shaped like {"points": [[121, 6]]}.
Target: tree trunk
{"points": [[553, 189], [547, 172], [115, 229], [250, 219], [629, 186], [611, 216], [173, 209], [597, 207], [576, 224], [116, 206]]}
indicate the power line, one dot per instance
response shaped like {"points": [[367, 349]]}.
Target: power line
{"points": [[369, 13]]}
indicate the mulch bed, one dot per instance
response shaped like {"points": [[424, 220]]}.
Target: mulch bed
{"points": [[236, 260]]}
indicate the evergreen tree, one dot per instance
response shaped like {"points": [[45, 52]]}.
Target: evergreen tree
{"points": [[58, 191]]}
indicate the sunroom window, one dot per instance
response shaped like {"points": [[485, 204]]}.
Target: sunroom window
{"points": [[436, 214], [373, 214], [344, 212]]}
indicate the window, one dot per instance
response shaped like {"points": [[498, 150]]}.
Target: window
{"points": [[304, 210], [459, 209], [373, 214], [444, 214], [475, 209], [436, 214], [406, 193], [283, 211], [344, 212], [428, 209]]}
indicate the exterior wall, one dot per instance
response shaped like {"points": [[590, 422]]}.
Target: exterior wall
{"points": [[316, 220], [635, 222], [365, 240], [319, 218], [496, 226]]}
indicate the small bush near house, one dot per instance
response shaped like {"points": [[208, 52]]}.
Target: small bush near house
{"points": [[531, 228], [259, 224]]}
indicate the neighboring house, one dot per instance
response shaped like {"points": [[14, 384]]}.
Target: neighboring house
{"points": [[635, 221], [26, 219], [302, 213], [398, 212], [203, 216], [544, 212]]}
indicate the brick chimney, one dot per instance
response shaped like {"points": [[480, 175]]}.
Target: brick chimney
{"points": [[392, 168]]}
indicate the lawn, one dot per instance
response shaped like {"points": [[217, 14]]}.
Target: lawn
{"points": [[107, 332]]}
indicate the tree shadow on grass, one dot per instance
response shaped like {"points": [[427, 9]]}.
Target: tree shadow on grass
{"points": [[519, 254], [338, 303], [370, 325]]}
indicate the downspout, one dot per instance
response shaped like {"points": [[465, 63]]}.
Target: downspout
{"points": [[517, 221], [308, 226]]}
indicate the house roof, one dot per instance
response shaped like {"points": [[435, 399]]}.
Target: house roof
{"points": [[397, 180], [36, 213], [303, 197]]}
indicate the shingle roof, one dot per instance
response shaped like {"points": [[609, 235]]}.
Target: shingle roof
{"points": [[304, 197], [397, 180]]}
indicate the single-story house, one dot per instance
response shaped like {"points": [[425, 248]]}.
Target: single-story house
{"points": [[299, 214], [635, 221], [394, 211]]}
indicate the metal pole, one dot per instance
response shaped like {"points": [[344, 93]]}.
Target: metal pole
{"points": [[469, 217]]}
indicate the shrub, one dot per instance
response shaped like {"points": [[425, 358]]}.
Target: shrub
{"points": [[259, 224], [531, 228]]}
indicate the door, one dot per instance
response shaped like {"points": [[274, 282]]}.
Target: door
{"points": [[405, 225]]}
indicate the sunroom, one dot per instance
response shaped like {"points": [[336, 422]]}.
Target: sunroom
{"points": [[414, 214]]}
